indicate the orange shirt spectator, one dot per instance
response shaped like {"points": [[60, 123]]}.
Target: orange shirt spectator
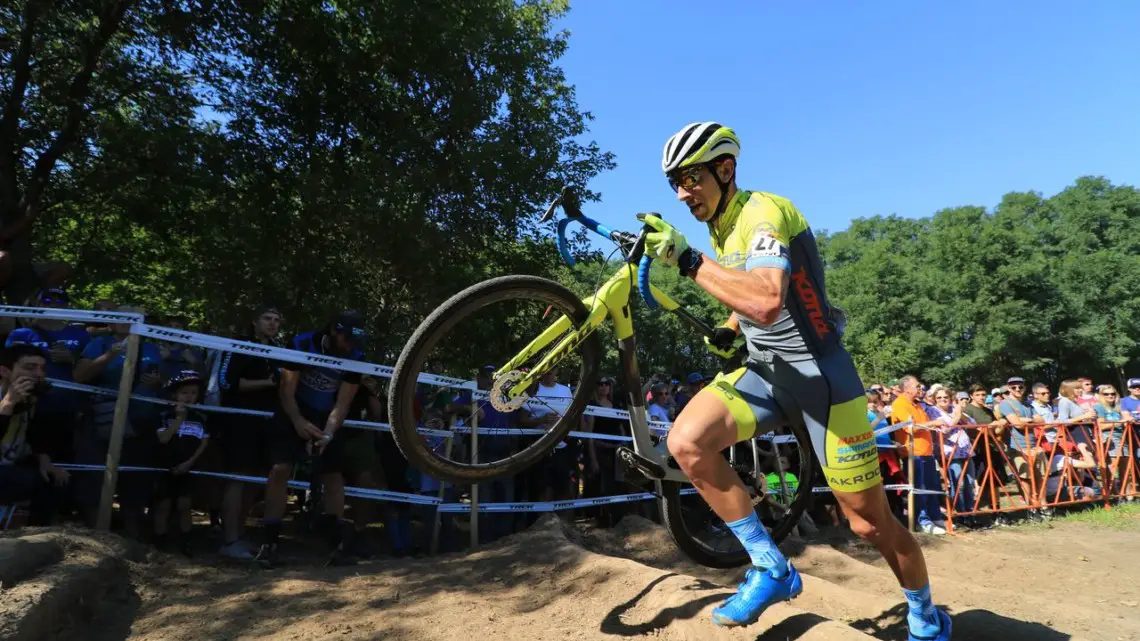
{"points": [[904, 409]]}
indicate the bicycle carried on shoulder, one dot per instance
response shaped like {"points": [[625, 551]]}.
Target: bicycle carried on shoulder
{"points": [[548, 328]]}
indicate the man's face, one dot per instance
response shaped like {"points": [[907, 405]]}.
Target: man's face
{"points": [[1016, 390], [1041, 395], [1134, 391], [34, 367], [267, 325], [913, 389], [341, 344], [697, 188], [549, 379], [978, 397]]}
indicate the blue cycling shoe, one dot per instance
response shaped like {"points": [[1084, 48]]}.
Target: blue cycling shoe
{"points": [[758, 591], [943, 634]]}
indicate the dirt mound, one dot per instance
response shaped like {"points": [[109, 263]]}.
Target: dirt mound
{"points": [[559, 582], [534, 585], [1065, 582], [51, 580]]}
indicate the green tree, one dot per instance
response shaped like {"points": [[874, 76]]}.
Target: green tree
{"points": [[377, 155]]}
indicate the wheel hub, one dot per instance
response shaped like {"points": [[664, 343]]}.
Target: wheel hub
{"points": [[501, 398]]}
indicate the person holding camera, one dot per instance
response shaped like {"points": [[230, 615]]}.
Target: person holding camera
{"points": [[62, 343], [27, 445]]}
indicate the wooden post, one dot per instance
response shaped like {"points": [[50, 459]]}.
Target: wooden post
{"points": [[474, 486], [442, 486], [910, 516], [118, 428]]}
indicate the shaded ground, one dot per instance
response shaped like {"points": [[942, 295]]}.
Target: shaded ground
{"points": [[1067, 581]]}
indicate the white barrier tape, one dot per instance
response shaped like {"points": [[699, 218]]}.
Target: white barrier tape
{"points": [[356, 492], [74, 315], [545, 506]]}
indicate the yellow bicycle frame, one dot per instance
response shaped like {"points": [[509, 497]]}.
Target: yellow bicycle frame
{"points": [[611, 299]]}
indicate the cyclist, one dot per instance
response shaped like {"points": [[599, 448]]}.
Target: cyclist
{"points": [[768, 273]]}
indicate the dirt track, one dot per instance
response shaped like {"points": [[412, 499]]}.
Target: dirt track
{"points": [[1068, 582]]}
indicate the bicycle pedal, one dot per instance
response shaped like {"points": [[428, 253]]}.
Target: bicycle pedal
{"points": [[648, 468]]}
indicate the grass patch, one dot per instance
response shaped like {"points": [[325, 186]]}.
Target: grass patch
{"points": [[1122, 516]]}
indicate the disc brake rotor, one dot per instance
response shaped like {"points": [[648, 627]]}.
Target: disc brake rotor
{"points": [[500, 392]]}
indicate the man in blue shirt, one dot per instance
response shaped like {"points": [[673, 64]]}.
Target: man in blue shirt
{"points": [[1131, 403], [314, 402], [101, 364], [1020, 417]]}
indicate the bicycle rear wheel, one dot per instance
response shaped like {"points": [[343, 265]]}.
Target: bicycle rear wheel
{"points": [[489, 324], [703, 536]]}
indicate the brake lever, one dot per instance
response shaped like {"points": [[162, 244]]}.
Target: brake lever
{"points": [[549, 214]]}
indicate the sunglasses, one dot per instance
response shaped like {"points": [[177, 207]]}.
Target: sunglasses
{"points": [[53, 300], [1016, 387], [687, 177], [607, 383]]}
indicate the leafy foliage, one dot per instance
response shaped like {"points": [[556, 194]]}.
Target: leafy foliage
{"points": [[1045, 288], [368, 154]]}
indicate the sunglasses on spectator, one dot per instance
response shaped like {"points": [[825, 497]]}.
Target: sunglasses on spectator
{"points": [[600, 383], [1015, 386], [52, 300], [1108, 394]]}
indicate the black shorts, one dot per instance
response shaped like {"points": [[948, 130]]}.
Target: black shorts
{"points": [[171, 486], [286, 446], [244, 443]]}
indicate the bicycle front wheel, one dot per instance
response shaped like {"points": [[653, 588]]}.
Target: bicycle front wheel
{"points": [[473, 333], [704, 537]]}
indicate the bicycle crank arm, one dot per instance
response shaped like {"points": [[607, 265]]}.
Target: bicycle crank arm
{"points": [[647, 467]]}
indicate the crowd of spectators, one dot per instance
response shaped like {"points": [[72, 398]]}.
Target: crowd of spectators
{"points": [[304, 440], [43, 425], [1014, 439]]}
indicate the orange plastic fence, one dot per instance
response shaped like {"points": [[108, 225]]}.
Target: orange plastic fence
{"points": [[1038, 466]]}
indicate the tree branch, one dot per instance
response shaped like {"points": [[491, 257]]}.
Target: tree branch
{"points": [[10, 119], [77, 94]]}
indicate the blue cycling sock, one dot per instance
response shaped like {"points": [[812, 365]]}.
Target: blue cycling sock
{"points": [[923, 618], [759, 545]]}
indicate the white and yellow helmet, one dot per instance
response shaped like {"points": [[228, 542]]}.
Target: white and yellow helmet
{"points": [[697, 143]]}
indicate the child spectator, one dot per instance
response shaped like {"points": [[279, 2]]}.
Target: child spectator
{"points": [[182, 437], [890, 465]]}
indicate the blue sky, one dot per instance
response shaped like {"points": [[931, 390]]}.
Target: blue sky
{"points": [[853, 109]]}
